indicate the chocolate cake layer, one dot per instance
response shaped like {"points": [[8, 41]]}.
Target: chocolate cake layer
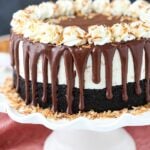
{"points": [[94, 99]]}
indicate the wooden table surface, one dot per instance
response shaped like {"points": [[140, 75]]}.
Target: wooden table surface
{"points": [[4, 43]]}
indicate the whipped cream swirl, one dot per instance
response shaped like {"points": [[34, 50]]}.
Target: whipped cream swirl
{"points": [[118, 7], [74, 35], [121, 32], [99, 35], [145, 15], [45, 10], [65, 7], [140, 30], [43, 32], [83, 7], [101, 6], [136, 8], [50, 34], [19, 20]]}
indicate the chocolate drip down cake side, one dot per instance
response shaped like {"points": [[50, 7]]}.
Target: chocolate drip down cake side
{"points": [[82, 55]]}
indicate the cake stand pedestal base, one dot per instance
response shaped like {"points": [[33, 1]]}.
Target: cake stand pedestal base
{"points": [[89, 140]]}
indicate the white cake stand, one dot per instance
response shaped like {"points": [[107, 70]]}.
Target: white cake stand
{"points": [[81, 133]]}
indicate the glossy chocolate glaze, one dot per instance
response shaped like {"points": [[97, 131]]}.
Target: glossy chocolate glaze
{"points": [[95, 99], [14, 52], [78, 55], [97, 19]]}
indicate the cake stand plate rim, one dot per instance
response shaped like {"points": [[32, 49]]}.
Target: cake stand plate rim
{"points": [[82, 123]]}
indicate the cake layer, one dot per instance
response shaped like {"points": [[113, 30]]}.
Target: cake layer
{"points": [[88, 83], [82, 66], [94, 99]]}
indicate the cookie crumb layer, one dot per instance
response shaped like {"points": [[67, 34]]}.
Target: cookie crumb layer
{"points": [[20, 106]]}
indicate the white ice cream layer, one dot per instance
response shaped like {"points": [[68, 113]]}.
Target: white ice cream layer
{"points": [[88, 72]]}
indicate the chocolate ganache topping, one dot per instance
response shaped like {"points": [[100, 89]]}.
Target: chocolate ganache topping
{"points": [[97, 19], [76, 56]]}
